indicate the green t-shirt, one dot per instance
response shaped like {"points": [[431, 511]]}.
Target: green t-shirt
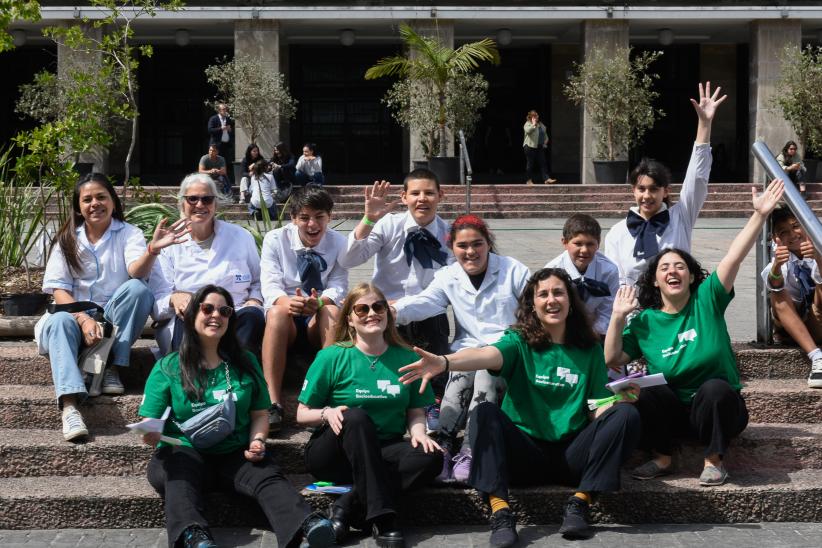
{"points": [[689, 347], [164, 387], [342, 375], [548, 390]]}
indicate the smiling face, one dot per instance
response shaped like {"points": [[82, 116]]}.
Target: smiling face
{"points": [[311, 225], [551, 302], [199, 213], [214, 325], [421, 198], [790, 234], [471, 251], [372, 322], [96, 204], [673, 278], [308, 152], [649, 196], [582, 249]]}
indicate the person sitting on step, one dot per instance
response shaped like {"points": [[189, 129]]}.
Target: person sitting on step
{"points": [[655, 224], [352, 395], [210, 369], [303, 282], [552, 362], [681, 332], [795, 287]]}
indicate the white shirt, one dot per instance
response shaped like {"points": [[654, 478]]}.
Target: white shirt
{"points": [[310, 167], [602, 270], [790, 281], [262, 188], [481, 315], [619, 244], [392, 273], [232, 262], [225, 136], [279, 264]]}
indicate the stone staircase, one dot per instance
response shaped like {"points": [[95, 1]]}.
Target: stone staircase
{"points": [[535, 201], [46, 483]]}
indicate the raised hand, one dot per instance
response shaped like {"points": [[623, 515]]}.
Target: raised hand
{"points": [[176, 233], [780, 256], [625, 301], [765, 202], [429, 365], [376, 206], [708, 103]]}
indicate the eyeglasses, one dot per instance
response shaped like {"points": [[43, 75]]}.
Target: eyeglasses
{"points": [[208, 309], [362, 310], [192, 200]]}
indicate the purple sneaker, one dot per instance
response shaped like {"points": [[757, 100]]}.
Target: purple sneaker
{"points": [[462, 466], [445, 476]]}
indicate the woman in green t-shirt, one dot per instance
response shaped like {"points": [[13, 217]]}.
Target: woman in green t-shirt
{"points": [[681, 332], [353, 395], [209, 367], [543, 432]]}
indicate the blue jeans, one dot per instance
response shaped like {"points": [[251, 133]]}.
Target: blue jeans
{"points": [[128, 309]]}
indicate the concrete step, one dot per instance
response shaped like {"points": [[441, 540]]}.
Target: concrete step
{"points": [[42, 452], [782, 401], [129, 502]]}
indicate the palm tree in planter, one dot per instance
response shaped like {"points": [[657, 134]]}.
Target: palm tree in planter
{"points": [[438, 88], [617, 93]]}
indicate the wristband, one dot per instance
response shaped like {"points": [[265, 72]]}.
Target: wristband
{"points": [[150, 252], [447, 364], [259, 439], [366, 221], [773, 276], [323, 420], [320, 302]]}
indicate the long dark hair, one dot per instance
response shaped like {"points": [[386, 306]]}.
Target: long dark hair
{"points": [[648, 293], [654, 169], [248, 159], [788, 145], [192, 374], [578, 330], [282, 154], [67, 236]]}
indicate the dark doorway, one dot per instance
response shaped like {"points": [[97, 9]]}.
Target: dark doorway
{"points": [[19, 67], [173, 113], [343, 114]]}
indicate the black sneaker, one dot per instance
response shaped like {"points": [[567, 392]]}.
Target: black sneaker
{"points": [[503, 528], [317, 531], [197, 537], [275, 418], [577, 519]]}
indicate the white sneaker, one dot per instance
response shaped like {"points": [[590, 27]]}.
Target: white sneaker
{"points": [[815, 378], [111, 381], [73, 425]]}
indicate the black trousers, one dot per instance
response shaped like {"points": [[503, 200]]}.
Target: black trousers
{"points": [[716, 415], [430, 334], [378, 470], [504, 455], [250, 329], [535, 165], [181, 475]]}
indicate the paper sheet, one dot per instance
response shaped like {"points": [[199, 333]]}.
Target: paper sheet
{"points": [[643, 382], [148, 426]]}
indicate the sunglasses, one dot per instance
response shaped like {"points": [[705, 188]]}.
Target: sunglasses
{"points": [[206, 200], [361, 310], [208, 309]]}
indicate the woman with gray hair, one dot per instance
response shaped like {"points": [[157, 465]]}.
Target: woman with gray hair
{"points": [[218, 253]]}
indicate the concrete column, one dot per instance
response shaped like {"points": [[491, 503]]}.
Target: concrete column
{"points": [[768, 41], [443, 31], [608, 35], [69, 60], [259, 39]]}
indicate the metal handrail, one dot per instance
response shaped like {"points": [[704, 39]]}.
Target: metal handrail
{"points": [[465, 171], [803, 213]]}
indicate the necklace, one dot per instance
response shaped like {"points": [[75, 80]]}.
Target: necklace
{"points": [[373, 364]]}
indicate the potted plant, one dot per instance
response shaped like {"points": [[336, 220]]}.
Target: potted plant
{"points": [[798, 95], [617, 94], [438, 91]]}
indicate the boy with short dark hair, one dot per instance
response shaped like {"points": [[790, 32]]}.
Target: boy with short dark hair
{"points": [[595, 276], [303, 285], [794, 284]]}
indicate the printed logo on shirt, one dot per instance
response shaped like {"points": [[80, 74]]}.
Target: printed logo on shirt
{"points": [[240, 278], [305, 384], [566, 378], [385, 388], [683, 339], [221, 395]]}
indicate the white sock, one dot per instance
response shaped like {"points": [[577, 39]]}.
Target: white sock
{"points": [[815, 353]]}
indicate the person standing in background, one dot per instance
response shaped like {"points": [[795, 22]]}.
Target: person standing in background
{"points": [[221, 131], [534, 145]]}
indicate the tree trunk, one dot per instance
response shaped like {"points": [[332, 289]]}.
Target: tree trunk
{"points": [[129, 154], [443, 148]]}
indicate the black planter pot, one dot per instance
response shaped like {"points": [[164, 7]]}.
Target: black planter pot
{"points": [[419, 164], [83, 168], [811, 168], [446, 168], [24, 304], [608, 172]]}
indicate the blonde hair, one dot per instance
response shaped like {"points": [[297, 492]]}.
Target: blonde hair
{"points": [[345, 335]]}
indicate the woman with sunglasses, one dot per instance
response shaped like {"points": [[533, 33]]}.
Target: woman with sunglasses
{"points": [[353, 396], [218, 253], [544, 432], [210, 367]]}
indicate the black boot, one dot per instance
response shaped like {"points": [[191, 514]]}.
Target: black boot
{"points": [[386, 533], [195, 536]]}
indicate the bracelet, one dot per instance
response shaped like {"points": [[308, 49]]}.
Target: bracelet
{"points": [[150, 252], [447, 364], [772, 276], [366, 221], [259, 439], [323, 420], [320, 302]]}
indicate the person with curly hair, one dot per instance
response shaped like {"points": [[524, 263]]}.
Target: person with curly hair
{"points": [[544, 431], [681, 332]]}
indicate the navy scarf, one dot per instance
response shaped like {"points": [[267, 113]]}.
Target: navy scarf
{"points": [[645, 232]]}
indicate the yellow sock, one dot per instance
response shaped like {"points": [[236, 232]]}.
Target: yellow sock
{"points": [[497, 503], [583, 496]]}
